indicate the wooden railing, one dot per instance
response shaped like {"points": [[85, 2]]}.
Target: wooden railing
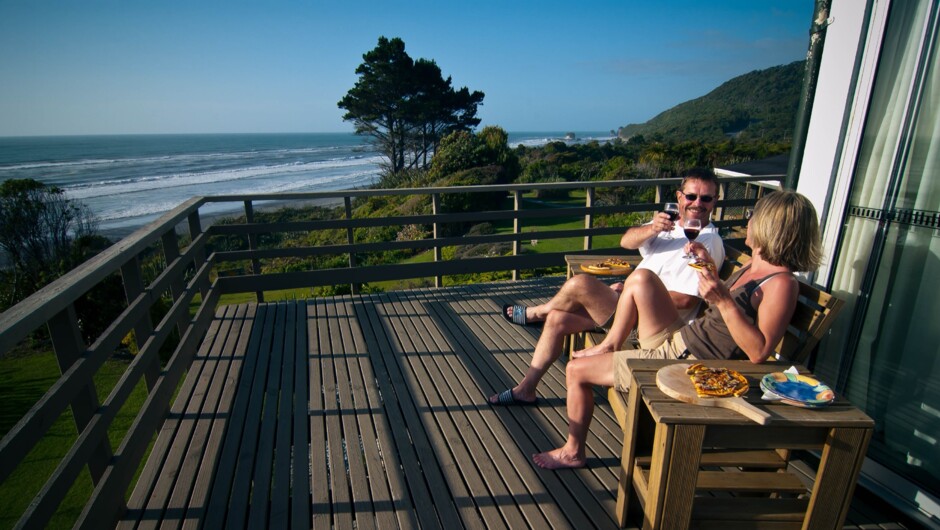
{"points": [[185, 279]]}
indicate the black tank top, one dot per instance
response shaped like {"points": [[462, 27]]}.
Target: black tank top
{"points": [[709, 337]]}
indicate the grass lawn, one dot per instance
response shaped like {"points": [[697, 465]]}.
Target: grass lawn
{"points": [[23, 381]]}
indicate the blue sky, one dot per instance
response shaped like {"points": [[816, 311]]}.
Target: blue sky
{"points": [[103, 67]]}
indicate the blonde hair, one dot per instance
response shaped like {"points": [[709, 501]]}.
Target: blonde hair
{"points": [[785, 229]]}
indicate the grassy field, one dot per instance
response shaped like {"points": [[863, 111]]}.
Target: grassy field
{"points": [[23, 380]]}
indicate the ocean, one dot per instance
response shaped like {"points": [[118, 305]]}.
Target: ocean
{"points": [[130, 180]]}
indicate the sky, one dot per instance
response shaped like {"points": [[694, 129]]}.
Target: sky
{"points": [[136, 67]]}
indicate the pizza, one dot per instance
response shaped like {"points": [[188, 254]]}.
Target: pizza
{"points": [[717, 382], [702, 265], [608, 265]]}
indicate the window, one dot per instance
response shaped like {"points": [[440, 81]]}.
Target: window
{"points": [[888, 264]]}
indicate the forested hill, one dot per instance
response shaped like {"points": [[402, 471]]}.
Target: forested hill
{"points": [[760, 105]]}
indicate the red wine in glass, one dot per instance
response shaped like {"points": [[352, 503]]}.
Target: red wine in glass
{"points": [[672, 210], [691, 229]]}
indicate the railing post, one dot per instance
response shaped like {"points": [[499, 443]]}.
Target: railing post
{"points": [[350, 240], [252, 245], [516, 228], [719, 212], [195, 230], [68, 344], [171, 252], [438, 256], [588, 217], [659, 193], [133, 287]]}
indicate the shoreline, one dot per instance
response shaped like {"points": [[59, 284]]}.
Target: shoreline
{"points": [[208, 219]]}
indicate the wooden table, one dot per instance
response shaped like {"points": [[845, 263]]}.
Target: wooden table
{"points": [[574, 262], [684, 463]]}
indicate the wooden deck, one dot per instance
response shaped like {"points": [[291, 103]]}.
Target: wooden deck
{"points": [[370, 412]]}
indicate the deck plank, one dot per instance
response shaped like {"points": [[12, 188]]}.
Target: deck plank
{"points": [[344, 350], [281, 481], [410, 487], [370, 411], [386, 489], [228, 500], [483, 434], [300, 468], [319, 477], [262, 471], [196, 510], [404, 384], [151, 472], [204, 417], [438, 386], [500, 439]]}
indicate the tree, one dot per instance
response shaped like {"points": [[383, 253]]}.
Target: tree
{"points": [[462, 150], [38, 228], [406, 106]]}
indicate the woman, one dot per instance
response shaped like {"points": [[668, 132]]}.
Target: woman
{"points": [[746, 319]]}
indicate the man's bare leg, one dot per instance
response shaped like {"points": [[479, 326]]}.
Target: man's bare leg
{"points": [[598, 299], [578, 292]]}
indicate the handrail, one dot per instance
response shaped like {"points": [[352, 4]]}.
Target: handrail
{"points": [[187, 273]]}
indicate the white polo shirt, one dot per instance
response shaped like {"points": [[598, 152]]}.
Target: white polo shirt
{"points": [[664, 257]]}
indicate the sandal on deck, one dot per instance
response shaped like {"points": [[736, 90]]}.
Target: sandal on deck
{"points": [[507, 399], [518, 316]]}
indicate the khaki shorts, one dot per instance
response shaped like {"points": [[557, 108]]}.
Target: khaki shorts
{"points": [[672, 347], [654, 341]]}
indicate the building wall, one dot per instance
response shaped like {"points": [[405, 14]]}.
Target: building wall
{"points": [[845, 79], [852, 49]]}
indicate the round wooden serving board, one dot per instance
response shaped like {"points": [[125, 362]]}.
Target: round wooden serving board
{"points": [[613, 271], [677, 384]]}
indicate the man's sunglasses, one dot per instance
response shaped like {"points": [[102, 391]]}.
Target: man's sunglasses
{"points": [[692, 196]]}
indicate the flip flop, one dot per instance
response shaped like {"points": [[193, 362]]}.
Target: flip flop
{"points": [[507, 399], [518, 316]]}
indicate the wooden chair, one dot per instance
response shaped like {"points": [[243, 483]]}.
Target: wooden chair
{"points": [[815, 312]]}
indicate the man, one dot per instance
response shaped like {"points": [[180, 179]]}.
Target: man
{"points": [[584, 303]]}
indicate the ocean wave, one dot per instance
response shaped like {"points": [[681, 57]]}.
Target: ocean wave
{"points": [[112, 188], [539, 142], [45, 165], [122, 211], [183, 158]]}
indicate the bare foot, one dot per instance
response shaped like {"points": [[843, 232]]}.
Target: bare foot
{"points": [[593, 350], [558, 459]]}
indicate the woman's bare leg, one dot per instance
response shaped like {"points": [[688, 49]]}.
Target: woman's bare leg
{"points": [[580, 375], [645, 304]]}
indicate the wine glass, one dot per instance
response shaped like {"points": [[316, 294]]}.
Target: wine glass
{"points": [[691, 227], [672, 210]]}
